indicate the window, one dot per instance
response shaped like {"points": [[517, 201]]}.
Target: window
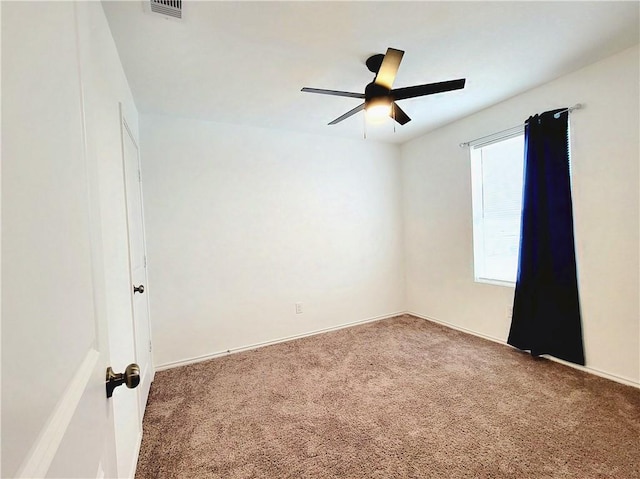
{"points": [[496, 179]]}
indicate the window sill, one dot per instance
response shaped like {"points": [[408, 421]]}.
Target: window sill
{"points": [[496, 282]]}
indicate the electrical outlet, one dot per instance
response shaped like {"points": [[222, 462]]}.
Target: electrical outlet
{"points": [[298, 308]]}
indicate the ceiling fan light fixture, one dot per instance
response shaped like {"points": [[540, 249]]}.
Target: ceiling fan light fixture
{"points": [[378, 109], [380, 98]]}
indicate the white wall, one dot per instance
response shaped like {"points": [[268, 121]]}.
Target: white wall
{"points": [[242, 223], [605, 156]]}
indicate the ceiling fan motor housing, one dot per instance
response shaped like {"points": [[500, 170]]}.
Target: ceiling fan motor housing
{"points": [[373, 91]]}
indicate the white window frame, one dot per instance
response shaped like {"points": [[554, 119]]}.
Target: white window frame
{"points": [[475, 151]]}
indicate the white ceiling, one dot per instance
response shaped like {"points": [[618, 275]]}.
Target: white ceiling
{"points": [[245, 62]]}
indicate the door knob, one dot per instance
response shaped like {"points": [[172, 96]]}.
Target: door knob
{"points": [[130, 377], [138, 289]]}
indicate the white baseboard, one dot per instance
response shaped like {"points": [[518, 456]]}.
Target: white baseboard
{"points": [[459, 328], [240, 349], [590, 370]]}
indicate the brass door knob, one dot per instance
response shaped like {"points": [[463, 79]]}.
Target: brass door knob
{"points": [[130, 377], [138, 289]]}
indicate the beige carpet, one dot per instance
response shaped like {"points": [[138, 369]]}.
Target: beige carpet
{"points": [[398, 398]]}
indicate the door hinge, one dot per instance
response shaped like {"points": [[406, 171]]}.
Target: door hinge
{"points": [[150, 346], [145, 260], [139, 176]]}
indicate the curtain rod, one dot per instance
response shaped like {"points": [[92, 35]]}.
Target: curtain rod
{"points": [[515, 129]]}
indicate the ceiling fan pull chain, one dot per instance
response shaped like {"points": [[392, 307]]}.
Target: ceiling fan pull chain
{"points": [[393, 111], [364, 127]]}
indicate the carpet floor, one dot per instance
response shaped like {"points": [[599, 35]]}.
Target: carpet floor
{"points": [[397, 398]]}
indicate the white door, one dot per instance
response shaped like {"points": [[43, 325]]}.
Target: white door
{"points": [[137, 261], [55, 414], [58, 337], [130, 336]]}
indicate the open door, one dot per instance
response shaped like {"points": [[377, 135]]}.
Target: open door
{"points": [[137, 260], [66, 303], [130, 333]]}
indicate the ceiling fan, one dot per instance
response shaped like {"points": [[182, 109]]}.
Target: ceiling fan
{"points": [[379, 98]]}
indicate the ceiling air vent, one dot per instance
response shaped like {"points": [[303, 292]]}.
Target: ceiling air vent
{"points": [[171, 8]]}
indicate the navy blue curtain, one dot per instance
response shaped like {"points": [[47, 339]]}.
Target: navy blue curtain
{"points": [[546, 308]]}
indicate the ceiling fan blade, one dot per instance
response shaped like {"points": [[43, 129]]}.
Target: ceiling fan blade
{"points": [[348, 114], [333, 92], [428, 89], [399, 115], [389, 68]]}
